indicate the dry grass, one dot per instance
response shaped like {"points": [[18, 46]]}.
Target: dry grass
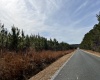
{"points": [[48, 72], [23, 66]]}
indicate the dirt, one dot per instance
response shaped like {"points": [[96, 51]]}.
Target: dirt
{"points": [[93, 52], [47, 73]]}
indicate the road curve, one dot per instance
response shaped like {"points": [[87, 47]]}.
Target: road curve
{"points": [[81, 66]]}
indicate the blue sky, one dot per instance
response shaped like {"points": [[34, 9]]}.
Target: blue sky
{"points": [[65, 20]]}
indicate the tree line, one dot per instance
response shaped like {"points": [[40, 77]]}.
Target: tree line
{"points": [[91, 40], [16, 40]]}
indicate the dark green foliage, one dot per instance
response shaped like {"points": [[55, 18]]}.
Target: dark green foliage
{"points": [[3, 37], [64, 46], [92, 38], [74, 46], [16, 40], [98, 17]]}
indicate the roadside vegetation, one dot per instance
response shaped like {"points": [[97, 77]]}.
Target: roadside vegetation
{"points": [[91, 40], [22, 56], [17, 41], [23, 66]]}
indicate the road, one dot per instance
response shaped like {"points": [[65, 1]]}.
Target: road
{"points": [[81, 66]]}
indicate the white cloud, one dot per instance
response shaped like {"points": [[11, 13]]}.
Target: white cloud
{"points": [[68, 34], [31, 16], [26, 14], [81, 6]]}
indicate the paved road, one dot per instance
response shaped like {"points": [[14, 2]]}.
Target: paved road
{"points": [[81, 66]]}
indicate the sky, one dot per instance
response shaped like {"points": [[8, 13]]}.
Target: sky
{"points": [[65, 20]]}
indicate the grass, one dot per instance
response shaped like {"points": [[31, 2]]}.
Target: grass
{"points": [[22, 66]]}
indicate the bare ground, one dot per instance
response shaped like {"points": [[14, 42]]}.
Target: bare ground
{"points": [[47, 73], [93, 53]]}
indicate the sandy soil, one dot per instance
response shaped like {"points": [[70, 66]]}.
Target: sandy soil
{"points": [[47, 73], [93, 52]]}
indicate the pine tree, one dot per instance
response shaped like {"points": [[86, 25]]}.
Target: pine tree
{"points": [[98, 17], [15, 38]]}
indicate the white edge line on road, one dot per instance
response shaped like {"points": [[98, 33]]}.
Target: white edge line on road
{"points": [[57, 72], [90, 53]]}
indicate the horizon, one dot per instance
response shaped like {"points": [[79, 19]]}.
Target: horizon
{"points": [[66, 20]]}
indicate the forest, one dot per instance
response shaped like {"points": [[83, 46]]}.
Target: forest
{"points": [[91, 40], [17, 41]]}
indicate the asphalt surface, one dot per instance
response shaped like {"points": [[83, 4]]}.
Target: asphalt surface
{"points": [[81, 66]]}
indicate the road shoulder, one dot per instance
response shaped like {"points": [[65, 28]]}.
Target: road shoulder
{"points": [[92, 53], [47, 73]]}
